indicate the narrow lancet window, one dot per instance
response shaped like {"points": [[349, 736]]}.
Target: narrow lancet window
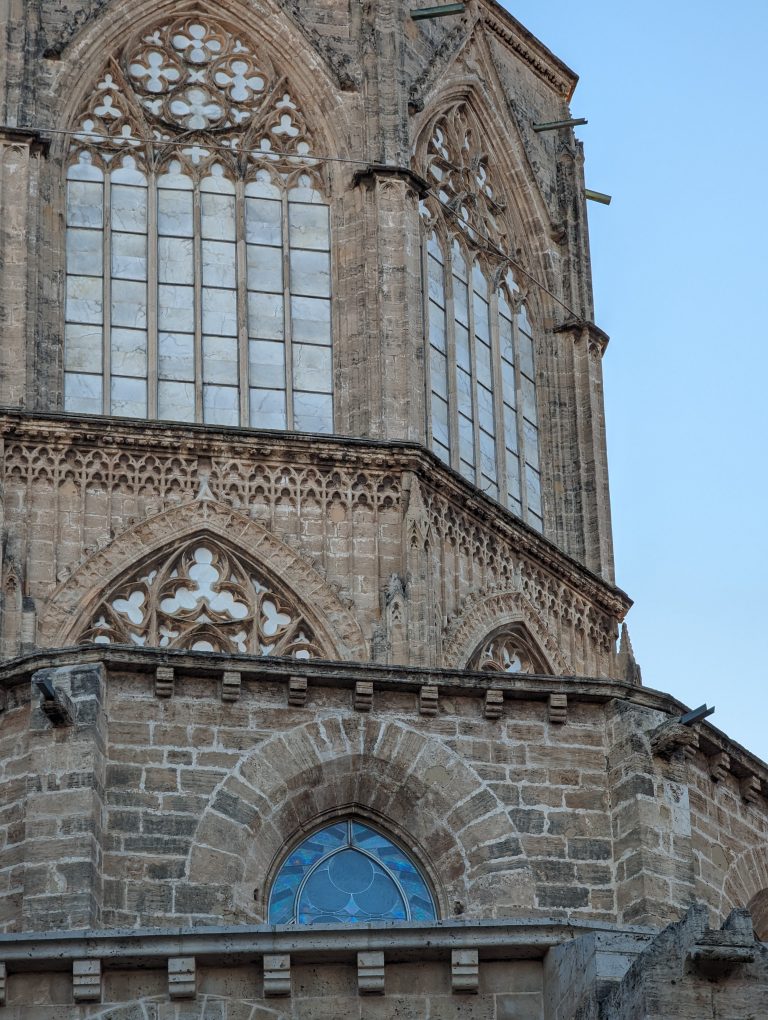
{"points": [[483, 418]]}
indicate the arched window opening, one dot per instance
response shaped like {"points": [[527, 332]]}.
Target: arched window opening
{"points": [[510, 649], [198, 241], [483, 418], [348, 873]]}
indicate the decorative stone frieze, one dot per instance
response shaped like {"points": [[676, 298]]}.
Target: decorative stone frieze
{"points": [[363, 696], [557, 709], [370, 973], [231, 685], [164, 682], [429, 696], [494, 704], [182, 977], [297, 691], [86, 980], [277, 975], [465, 971]]}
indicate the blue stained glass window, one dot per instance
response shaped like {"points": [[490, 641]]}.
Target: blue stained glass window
{"points": [[347, 873]]}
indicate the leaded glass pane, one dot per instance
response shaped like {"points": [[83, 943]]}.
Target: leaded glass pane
{"points": [[267, 364], [174, 213], [483, 363], [85, 204], [129, 256], [83, 348], [466, 440], [348, 874], [267, 409], [308, 226], [263, 221], [129, 397], [176, 308], [219, 264], [175, 260], [310, 273], [176, 401], [439, 373], [85, 299], [311, 320], [436, 281], [221, 405], [313, 412], [533, 489], [129, 352], [85, 252], [129, 304], [83, 393], [128, 206], [526, 355], [440, 420], [265, 268], [485, 410], [218, 216], [265, 316], [437, 326], [529, 399], [176, 356], [531, 437], [464, 392], [461, 302], [312, 368], [220, 362], [219, 311]]}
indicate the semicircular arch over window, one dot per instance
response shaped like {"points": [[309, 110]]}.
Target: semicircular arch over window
{"points": [[348, 873]]}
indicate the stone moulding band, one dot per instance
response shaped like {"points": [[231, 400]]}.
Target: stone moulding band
{"points": [[513, 939]]}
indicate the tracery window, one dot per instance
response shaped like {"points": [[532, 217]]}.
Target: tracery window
{"points": [[509, 650], [202, 598], [347, 873], [482, 380], [198, 241]]}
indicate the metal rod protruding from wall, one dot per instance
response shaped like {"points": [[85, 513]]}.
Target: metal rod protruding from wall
{"points": [[553, 125], [422, 13], [597, 196]]}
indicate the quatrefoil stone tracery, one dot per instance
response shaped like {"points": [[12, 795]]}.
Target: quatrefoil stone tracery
{"points": [[202, 598]]}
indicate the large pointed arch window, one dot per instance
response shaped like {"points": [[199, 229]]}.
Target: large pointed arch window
{"points": [[348, 873], [198, 241], [482, 407]]}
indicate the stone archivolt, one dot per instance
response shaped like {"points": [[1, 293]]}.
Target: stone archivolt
{"points": [[202, 597]]}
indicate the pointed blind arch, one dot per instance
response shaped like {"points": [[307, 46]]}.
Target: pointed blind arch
{"points": [[203, 596], [198, 239], [483, 415]]}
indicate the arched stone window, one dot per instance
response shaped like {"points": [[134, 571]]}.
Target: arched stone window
{"points": [[198, 240], [202, 597], [349, 873], [483, 417], [510, 649]]}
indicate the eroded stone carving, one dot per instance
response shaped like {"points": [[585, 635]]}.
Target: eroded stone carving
{"points": [[509, 650], [202, 598]]}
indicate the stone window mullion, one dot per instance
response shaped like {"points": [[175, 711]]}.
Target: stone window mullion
{"points": [[106, 394]]}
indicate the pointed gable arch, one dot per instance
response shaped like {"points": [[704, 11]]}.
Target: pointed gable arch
{"points": [[250, 581], [493, 631]]}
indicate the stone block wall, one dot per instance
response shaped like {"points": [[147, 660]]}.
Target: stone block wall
{"points": [[172, 797]]}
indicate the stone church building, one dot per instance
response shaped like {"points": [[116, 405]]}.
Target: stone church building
{"points": [[315, 700]]}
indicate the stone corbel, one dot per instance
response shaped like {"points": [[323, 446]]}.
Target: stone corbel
{"points": [[672, 736], [376, 171]]}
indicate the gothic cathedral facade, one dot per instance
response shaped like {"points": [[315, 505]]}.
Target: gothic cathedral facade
{"points": [[315, 696]]}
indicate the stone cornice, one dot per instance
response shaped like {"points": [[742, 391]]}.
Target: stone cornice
{"points": [[597, 339], [410, 679], [513, 939], [37, 143], [558, 76], [297, 448]]}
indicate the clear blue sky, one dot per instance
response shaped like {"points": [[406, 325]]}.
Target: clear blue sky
{"points": [[676, 99]]}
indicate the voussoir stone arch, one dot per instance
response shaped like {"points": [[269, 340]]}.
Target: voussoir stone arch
{"points": [[745, 881], [407, 782], [483, 616], [74, 600]]}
